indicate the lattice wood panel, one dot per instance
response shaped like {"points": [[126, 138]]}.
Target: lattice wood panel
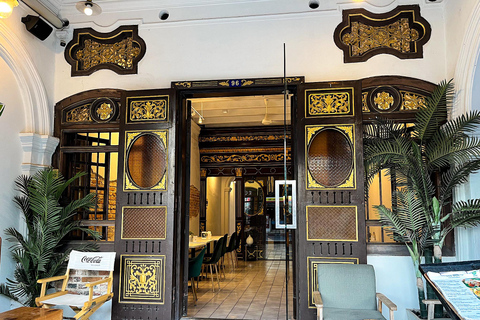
{"points": [[332, 223], [144, 222]]}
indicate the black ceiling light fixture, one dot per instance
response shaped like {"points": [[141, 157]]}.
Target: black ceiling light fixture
{"points": [[313, 4], [88, 8], [37, 27]]}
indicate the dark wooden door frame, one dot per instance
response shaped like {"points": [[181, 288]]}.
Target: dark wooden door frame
{"points": [[202, 89]]}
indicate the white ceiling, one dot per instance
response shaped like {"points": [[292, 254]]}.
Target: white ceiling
{"points": [[244, 111], [147, 11]]}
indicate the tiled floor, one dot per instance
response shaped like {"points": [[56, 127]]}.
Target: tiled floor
{"points": [[255, 290]]}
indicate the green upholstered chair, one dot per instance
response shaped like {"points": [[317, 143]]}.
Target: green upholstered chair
{"points": [[231, 248], [194, 270], [214, 259], [348, 292]]}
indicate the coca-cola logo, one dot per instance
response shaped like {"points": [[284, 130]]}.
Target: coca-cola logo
{"points": [[96, 259]]}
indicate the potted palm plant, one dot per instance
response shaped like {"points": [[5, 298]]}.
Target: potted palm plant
{"points": [[40, 253], [426, 160]]}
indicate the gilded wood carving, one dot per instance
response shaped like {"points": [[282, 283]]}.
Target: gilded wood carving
{"points": [[119, 51], [401, 32]]}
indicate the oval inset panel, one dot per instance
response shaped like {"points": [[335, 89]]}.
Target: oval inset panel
{"points": [[147, 161], [330, 158]]}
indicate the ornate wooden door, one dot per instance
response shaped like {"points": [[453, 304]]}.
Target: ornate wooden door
{"points": [[330, 206], [143, 285]]}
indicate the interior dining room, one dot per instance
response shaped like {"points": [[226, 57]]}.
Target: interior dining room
{"points": [[237, 154]]}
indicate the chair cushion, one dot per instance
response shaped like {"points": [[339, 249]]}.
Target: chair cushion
{"points": [[351, 314], [75, 300], [349, 286]]}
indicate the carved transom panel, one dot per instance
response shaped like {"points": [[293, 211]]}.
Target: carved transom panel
{"points": [[329, 102], [100, 110], [119, 51], [142, 279], [384, 99], [147, 109], [401, 32]]}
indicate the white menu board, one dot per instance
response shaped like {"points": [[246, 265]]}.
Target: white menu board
{"points": [[461, 289]]}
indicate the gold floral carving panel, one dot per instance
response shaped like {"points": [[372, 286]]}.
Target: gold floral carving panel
{"points": [[147, 109], [119, 51], [401, 32], [78, 114], [329, 102], [386, 99], [142, 279]]}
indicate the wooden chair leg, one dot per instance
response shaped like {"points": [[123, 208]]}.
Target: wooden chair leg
{"points": [[218, 278], [211, 274]]}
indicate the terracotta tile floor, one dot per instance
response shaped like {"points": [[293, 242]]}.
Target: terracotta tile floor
{"points": [[255, 290]]}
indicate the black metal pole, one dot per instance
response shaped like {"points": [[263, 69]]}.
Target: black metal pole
{"points": [[285, 201]]}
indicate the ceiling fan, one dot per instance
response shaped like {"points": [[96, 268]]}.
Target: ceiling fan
{"points": [[266, 120]]}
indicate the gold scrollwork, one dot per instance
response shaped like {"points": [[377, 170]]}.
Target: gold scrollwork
{"points": [[397, 35], [247, 83], [243, 138], [203, 173], [412, 101], [79, 114], [238, 173], [120, 53], [142, 110], [329, 103], [143, 278], [105, 111], [224, 83], [184, 84], [236, 158], [365, 107], [383, 100]]}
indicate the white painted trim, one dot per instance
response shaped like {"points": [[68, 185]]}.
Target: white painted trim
{"points": [[37, 151], [466, 64], [32, 90]]}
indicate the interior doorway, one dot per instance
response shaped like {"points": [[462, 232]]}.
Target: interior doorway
{"points": [[236, 155]]}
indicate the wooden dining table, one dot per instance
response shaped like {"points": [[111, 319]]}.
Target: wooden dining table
{"points": [[201, 242]]}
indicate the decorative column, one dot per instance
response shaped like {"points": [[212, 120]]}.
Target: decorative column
{"points": [[37, 151], [239, 208], [203, 200]]}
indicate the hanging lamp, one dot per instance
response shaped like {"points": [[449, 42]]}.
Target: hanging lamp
{"points": [[6, 7], [88, 8]]}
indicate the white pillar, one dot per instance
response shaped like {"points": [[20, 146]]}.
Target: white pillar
{"points": [[37, 151]]}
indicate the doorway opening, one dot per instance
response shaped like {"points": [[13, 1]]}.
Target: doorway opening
{"points": [[237, 150]]}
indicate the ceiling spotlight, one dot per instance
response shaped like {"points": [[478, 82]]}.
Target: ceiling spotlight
{"points": [[88, 8], [163, 15], [313, 4]]}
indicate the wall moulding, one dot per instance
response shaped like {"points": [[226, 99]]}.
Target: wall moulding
{"points": [[119, 51], [401, 32]]}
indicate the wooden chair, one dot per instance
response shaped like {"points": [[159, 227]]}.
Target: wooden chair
{"points": [[83, 305], [348, 291]]}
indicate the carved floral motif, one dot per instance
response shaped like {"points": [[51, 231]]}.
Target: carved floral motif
{"points": [[329, 103]]}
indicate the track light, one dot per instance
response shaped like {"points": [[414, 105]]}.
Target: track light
{"points": [[88, 8]]}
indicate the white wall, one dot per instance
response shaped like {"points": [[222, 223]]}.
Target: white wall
{"points": [[11, 123], [22, 59]]}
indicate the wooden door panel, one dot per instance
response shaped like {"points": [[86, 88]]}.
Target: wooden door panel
{"points": [[145, 197], [330, 206]]}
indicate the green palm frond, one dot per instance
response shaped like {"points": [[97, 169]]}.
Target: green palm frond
{"points": [[430, 118]]}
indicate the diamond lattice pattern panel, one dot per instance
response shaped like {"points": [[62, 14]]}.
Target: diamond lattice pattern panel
{"points": [[144, 223], [330, 158], [332, 223]]}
